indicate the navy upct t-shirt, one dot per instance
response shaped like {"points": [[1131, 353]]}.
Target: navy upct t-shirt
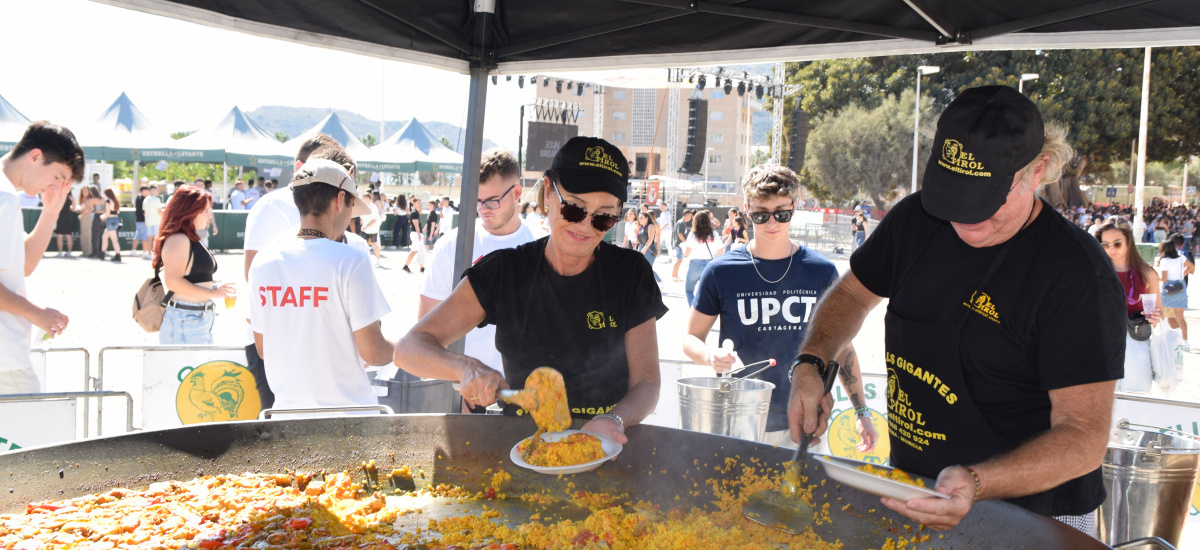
{"points": [[765, 320]]}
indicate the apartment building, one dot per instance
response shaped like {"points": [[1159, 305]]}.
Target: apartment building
{"points": [[637, 120]]}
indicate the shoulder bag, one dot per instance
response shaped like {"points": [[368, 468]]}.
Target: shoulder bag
{"points": [[1173, 287], [150, 304], [1139, 328]]}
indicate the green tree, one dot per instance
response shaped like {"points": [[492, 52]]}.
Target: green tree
{"points": [[446, 142], [181, 135], [1096, 94], [281, 136], [866, 150], [369, 140], [175, 171]]}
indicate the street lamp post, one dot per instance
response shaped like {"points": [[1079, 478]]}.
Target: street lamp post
{"points": [[921, 71], [1024, 77]]}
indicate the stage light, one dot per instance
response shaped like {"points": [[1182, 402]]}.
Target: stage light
{"points": [[493, 80], [521, 84], [741, 88], [728, 86], [758, 91], [701, 84], [692, 79], [558, 86], [579, 89], [508, 78], [545, 82]]}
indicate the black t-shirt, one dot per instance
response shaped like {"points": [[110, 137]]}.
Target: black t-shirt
{"points": [[574, 324], [429, 221], [140, 215], [682, 228], [1058, 317]]}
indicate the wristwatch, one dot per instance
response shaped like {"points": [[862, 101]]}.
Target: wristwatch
{"points": [[807, 358], [612, 416]]}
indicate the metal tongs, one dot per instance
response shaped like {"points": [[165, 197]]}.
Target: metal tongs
{"points": [[728, 382]]}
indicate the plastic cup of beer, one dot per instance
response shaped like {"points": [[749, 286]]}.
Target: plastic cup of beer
{"points": [[1149, 303]]}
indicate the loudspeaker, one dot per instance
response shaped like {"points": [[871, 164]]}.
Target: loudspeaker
{"points": [[797, 139], [697, 136], [640, 164]]}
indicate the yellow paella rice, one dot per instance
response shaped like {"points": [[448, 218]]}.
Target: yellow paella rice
{"points": [[577, 448], [894, 474]]}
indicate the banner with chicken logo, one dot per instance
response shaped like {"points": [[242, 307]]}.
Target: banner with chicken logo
{"points": [[842, 439], [188, 386]]}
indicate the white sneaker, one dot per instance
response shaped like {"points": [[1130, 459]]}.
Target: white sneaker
{"points": [[1187, 346]]}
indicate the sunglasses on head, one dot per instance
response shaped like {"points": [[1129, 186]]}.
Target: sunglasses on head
{"points": [[575, 214], [781, 216]]}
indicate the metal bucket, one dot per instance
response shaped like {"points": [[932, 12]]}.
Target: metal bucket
{"points": [[736, 407], [1149, 477], [408, 394]]}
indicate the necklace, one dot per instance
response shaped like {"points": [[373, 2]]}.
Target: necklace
{"points": [[311, 233], [791, 256]]}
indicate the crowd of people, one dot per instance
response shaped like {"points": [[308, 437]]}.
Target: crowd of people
{"points": [[1161, 219]]}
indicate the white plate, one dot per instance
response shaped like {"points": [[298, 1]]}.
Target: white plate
{"points": [[611, 448], [846, 472]]}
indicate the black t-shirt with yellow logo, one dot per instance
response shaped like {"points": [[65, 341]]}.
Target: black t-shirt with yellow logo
{"points": [[1050, 316], [574, 324]]}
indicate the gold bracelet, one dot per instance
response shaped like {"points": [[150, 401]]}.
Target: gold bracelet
{"points": [[978, 485]]}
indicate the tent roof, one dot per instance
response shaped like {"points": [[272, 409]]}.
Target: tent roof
{"points": [[122, 124], [541, 35], [244, 141], [12, 124], [10, 116], [332, 125], [414, 144], [123, 133]]}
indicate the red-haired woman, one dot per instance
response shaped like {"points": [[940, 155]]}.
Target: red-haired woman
{"points": [[187, 269]]}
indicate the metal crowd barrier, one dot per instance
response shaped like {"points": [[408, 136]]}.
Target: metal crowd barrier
{"points": [[87, 379], [86, 396], [99, 379]]}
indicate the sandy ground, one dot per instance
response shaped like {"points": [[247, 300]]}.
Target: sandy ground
{"points": [[97, 295]]}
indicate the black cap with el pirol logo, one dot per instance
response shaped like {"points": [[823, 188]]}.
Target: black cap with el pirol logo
{"points": [[983, 139], [589, 165]]}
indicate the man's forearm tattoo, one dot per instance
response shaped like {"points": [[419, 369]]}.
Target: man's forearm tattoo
{"points": [[849, 379]]}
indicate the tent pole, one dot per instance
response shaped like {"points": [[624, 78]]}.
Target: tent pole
{"points": [[1139, 203], [225, 182], [135, 176], [473, 147]]}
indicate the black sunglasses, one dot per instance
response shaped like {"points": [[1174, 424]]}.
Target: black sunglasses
{"points": [[575, 214], [781, 216]]}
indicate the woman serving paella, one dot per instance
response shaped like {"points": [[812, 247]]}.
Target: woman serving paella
{"points": [[568, 301]]}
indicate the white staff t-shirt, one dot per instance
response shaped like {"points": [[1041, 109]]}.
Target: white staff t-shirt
{"points": [[14, 329], [275, 218], [308, 296], [441, 280]]}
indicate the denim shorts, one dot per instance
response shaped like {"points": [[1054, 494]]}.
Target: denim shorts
{"points": [[678, 252], [139, 231], [186, 326], [112, 224]]}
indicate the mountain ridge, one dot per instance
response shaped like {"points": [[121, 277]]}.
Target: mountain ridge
{"points": [[294, 121]]}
